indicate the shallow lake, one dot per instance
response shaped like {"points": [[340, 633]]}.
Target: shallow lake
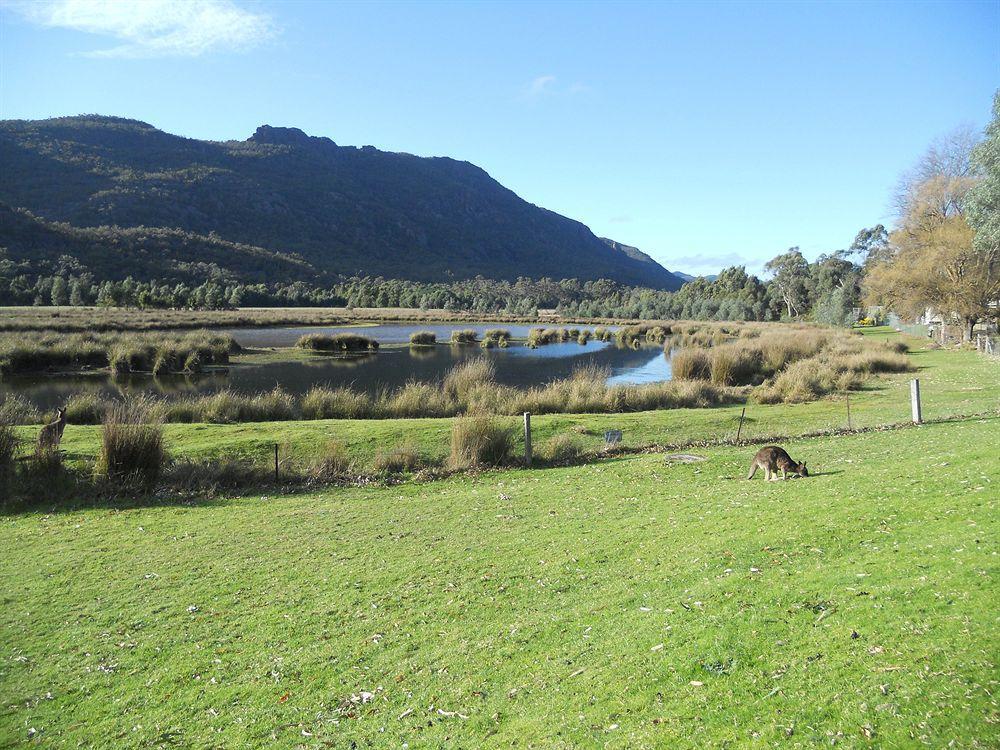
{"points": [[391, 367]]}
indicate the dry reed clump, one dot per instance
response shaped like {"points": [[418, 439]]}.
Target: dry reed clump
{"points": [[337, 342], [496, 337], [321, 402], [402, 459], [480, 441], [132, 452], [691, 364], [16, 409], [466, 336], [228, 407], [123, 353], [844, 366], [416, 399], [218, 475], [562, 448], [423, 338], [86, 407], [9, 446], [333, 462], [466, 376]]}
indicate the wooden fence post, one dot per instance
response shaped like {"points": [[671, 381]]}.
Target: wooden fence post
{"points": [[849, 427], [915, 400], [527, 438], [740, 428], [275, 462]]}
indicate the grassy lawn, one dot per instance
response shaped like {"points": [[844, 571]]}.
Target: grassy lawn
{"points": [[632, 602], [952, 383]]}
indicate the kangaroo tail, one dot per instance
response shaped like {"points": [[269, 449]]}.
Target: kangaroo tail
{"points": [[753, 470]]}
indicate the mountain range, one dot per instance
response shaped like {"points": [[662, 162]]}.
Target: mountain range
{"points": [[121, 197]]}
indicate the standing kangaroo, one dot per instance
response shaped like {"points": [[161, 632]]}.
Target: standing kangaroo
{"points": [[773, 459], [51, 434]]}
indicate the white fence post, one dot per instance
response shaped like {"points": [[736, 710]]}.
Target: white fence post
{"points": [[527, 438], [915, 400]]}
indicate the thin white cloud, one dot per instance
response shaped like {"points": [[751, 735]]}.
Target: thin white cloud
{"points": [[706, 264], [540, 85], [154, 28]]}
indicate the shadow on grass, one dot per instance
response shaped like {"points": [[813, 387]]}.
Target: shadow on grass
{"points": [[28, 506]]}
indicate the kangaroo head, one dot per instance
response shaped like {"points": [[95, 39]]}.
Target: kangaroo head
{"points": [[802, 470], [61, 412]]}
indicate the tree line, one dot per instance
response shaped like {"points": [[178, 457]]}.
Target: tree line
{"points": [[943, 253], [827, 290]]}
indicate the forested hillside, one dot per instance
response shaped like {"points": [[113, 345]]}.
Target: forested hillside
{"points": [[238, 205]]}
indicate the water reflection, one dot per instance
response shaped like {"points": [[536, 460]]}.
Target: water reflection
{"points": [[390, 368]]}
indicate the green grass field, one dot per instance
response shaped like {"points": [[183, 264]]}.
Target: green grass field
{"points": [[632, 602], [629, 602]]}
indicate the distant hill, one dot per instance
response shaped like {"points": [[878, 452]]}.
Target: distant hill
{"points": [[280, 204], [686, 277]]}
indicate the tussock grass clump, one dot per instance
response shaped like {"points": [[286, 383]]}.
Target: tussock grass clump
{"points": [[423, 338], [496, 337], [321, 402], [562, 448], [132, 451], [467, 336], [402, 459], [479, 441], [603, 334], [18, 410], [337, 342], [9, 446], [333, 462], [416, 399], [228, 407], [86, 407], [122, 353], [464, 378], [542, 336], [652, 333], [691, 364], [218, 475]]}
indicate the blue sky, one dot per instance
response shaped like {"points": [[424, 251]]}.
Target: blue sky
{"points": [[705, 134]]}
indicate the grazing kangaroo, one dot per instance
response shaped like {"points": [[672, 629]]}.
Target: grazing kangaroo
{"points": [[773, 459], [51, 434]]}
